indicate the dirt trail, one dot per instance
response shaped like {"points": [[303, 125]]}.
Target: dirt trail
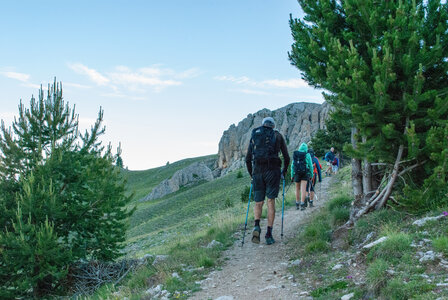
{"points": [[261, 271]]}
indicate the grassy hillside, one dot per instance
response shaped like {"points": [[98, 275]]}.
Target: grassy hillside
{"points": [[142, 182], [185, 212]]}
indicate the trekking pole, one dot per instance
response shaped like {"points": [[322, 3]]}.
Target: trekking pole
{"points": [[283, 204], [247, 214]]}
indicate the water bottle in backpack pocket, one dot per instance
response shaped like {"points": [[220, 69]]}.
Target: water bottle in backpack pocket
{"points": [[299, 161]]}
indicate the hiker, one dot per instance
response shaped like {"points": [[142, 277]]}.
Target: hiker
{"points": [[312, 183], [301, 173], [264, 166], [329, 157], [335, 164]]}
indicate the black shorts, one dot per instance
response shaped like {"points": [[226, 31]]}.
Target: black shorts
{"points": [[298, 178], [266, 184]]}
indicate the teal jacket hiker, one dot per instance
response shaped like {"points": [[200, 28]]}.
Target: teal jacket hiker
{"points": [[309, 162]]}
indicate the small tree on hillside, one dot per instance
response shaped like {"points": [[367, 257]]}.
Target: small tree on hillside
{"points": [[334, 135], [384, 66], [62, 199]]}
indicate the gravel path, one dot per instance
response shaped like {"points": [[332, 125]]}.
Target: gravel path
{"points": [[261, 271]]}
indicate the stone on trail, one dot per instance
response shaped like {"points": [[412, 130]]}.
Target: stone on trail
{"points": [[214, 244], [224, 298], [348, 296], [337, 267], [297, 262], [423, 221], [378, 241], [159, 259]]}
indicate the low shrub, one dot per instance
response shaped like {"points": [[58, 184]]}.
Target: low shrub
{"points": [[376, 275], [392, 249], [398, 289], [440, 244]]}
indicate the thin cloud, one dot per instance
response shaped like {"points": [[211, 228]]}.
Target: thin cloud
{"points": [[293, 83], [33, 85], [288, 83], [252, 92], [93, 74], [122, 96], [122, 78], [76, 85], [141, 79], [17, 76]]}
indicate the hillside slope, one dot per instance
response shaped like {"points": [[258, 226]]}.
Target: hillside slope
{"points": [[184, 212], [141, 183]]}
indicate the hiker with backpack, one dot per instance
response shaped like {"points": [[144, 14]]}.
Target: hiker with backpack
{"points": [[264, 166], [335, 164], [301, 173], [312, 183], [329, 157]]}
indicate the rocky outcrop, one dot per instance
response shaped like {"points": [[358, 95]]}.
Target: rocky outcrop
{"points": [[297, 122], [190, 175]]}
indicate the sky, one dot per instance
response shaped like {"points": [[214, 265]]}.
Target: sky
{"points": [[171, 75]]}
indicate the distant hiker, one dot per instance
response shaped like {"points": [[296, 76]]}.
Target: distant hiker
{"points": [[301, 173], [312, 183], [264, 166], [329, 157], [335, 164]]}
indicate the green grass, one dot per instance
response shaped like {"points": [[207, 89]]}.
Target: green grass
{"points": [[400, 289], [394, 248], [339, 208], [142, 182], [377, 275], [324, 291], [441, 244], [374, 222]]}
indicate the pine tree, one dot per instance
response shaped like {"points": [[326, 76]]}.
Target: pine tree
{"points": [[382, 64], [333, 135], [63, 198]]}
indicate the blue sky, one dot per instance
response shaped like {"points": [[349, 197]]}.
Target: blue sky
{"points": [[170, 75]]}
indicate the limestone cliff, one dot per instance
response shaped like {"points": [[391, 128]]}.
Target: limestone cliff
{"points": [[297, 122]]}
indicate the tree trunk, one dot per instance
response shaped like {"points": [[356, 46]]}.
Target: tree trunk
{"points": [[366, 174], [356, 180]]}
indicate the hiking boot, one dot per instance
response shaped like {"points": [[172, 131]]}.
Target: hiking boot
{"points": [[302, 206], [311, 203], [256, 235], [297, 205], [269, 240], [307, 199]]}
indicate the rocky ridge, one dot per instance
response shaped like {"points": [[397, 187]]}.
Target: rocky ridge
{"points": [[297, 122], [190, 175]]}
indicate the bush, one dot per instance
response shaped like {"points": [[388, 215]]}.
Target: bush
{"points": [[317, 246], [317, 230], [339, 202], [245, 194], [62, 198], [239, 174], [392, 249], [228, 203], [399, 290], [373, 222], [376, 274], [441, 244]]}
